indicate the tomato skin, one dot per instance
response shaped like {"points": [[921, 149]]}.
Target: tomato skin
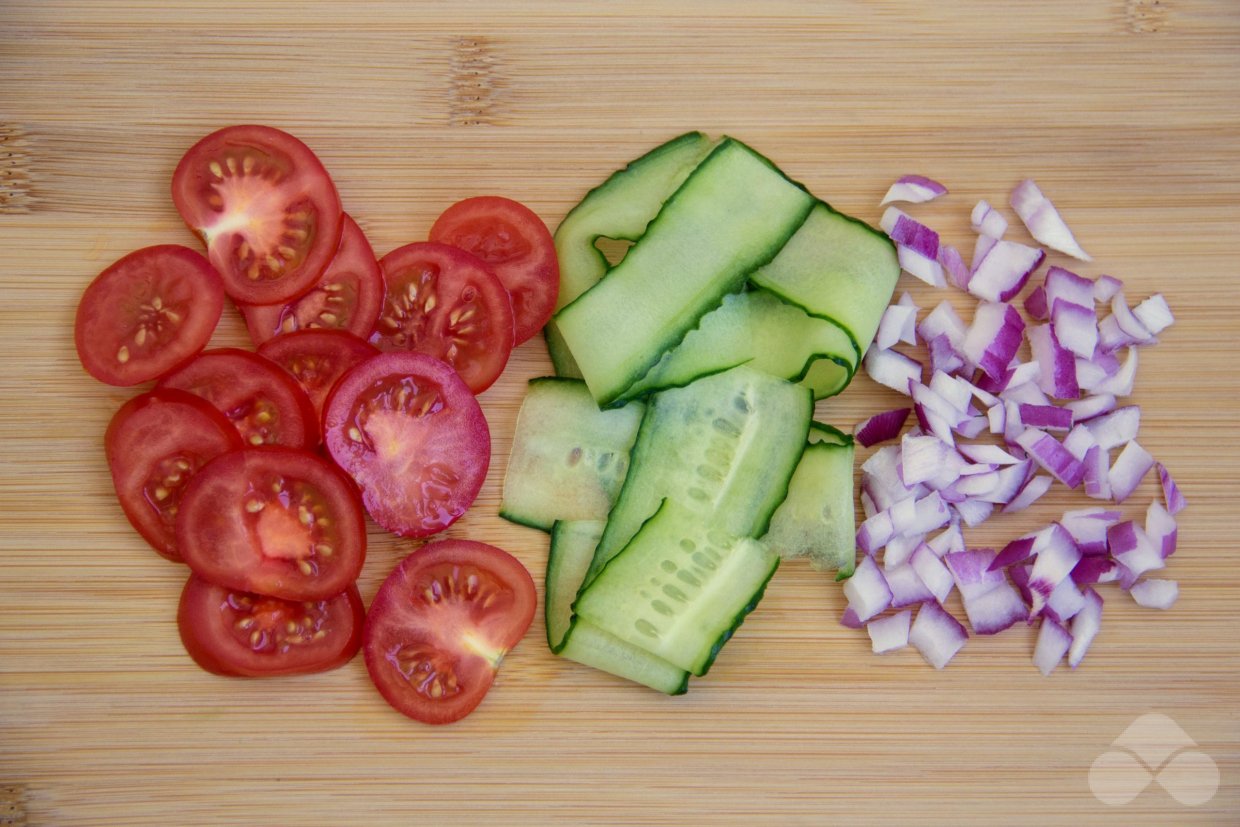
{"points": [[147, 314], [348, 296], [155, 444], [265, 404], [446, 303], [406, 428], [440, 625], [516, 245], [317, 359], [266, 208], [216, 625], [275, 521]]}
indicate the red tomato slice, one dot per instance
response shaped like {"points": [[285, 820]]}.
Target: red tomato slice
{"points": [[348, 296], [147, 314], [445, 303], [516, 245], [440, 625], [237, 633], [410, 433], [275, 521], [266, 208], [316, 359], [155, 444], [264, 403]]}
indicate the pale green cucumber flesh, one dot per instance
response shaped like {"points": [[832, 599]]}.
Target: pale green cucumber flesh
{"points": [[816, 519]]}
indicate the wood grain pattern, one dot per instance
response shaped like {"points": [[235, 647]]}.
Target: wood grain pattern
{"points": [[1124, 110]]}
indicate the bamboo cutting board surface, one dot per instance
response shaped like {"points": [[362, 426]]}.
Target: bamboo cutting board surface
{"points": [[1127, 112]]}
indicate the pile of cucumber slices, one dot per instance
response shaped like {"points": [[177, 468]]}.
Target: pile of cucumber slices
{"points": [[674, 458]]}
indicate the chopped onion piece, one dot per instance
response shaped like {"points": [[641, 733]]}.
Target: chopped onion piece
{"points": [[993, 454], [892, 369], [957, 271], [943, 355], [1105, 288], [1017, 551], [937, 635], [943, 320], [1056, 557], [1127, 320], [1171, 492], [1033, 490], [997, 417], [914, 189], [1161, 528], [1129, 468], [882, 427], [1097, 464], [906, 587], [1002, 270], [1085, 627], [1050, 417], [921, 266], [1044, 221], [980, 248], [875, 533], [974, 512], [1094, 569], [1088, 527], [850, 619], [1065, 601], [891, 328], [1036, 305], [907, 232], [1132, 549], [1120, 383], [995, 610], [889, 633], [971, 571], [933, 574], [1076, 328], [922, 457], [986, 220], [1154, 314], [1079, 441], [993, 338], [1057, 367], [1116, 428], [1053, 643], [1047, 452], [1155, 594], [948, 541], [1063, 285], [867, 591], [1089, 407]]}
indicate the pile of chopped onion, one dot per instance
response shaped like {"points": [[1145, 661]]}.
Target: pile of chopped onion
{"points": [[992, 434]]}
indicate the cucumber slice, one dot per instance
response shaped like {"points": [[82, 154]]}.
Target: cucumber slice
{"points": [[619, 208], [568, 458], [591, 646], [822, 432], [755, 328], [724, 446], [731, 216], [838, 268], [679, 589], [572, 547], [817, 519]]}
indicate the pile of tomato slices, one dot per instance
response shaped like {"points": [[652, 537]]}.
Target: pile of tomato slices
{"points": [[256, 468]]}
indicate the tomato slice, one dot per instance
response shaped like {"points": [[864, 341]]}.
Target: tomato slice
{"points": [[316, 359], [155, 444], [348, 296], [147, 314], [275, 521], [242, 634], [409, 432], [516, 245], [445, 303], [440, 625], [264, 403], [266, 208]]}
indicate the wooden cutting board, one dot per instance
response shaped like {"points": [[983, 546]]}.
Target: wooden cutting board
{"points": [[1125, 111]]}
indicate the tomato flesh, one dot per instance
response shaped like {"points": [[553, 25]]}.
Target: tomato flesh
{"points": [[155, 444], [516, 245], [264, 403], [348, 296], [266, 208], [147, 314], [440, 625], [406, 428], [237, 633], [316, 359], [445, 303], [275, 521]]}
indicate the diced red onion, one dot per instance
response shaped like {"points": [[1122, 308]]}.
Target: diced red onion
{"points": [[1076, 328], [1089, 407], [986, 220], [1066, 286], [875, 533], [1105, 287], [957, 392], [1050, 417], [1161, 528], [1047, 452], [1129, 468], [1154, 314], [906, 587], [1116, 428], [1003, 269], [1044, 221], [892, 369], [993, 454], [908, 232], [1056, 557], [997, 417], [1127, 320], [899, 549], [1097, 464], [943, 355], [882, 427], [1033, 490], [972, 427], [1057, 367], [921, 458], [850, 619], [914, 189], [1085, 627], [948, 541], [1095, 569], [1017, 551], [937, 635], [1065, 601], [957, 271], [981, 246], [1088, 527], [943, 320], [993, 338], [1025, 393], [1171, 492], [867, 590], [1036, 305], [974, 512], [887, 634], [995, 610], [1155, 594], [1119, 383], [891, 328], [1053, 643], [1078, 442], [971, 571], [921, 266], [933, 574], [1133, 550]]}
